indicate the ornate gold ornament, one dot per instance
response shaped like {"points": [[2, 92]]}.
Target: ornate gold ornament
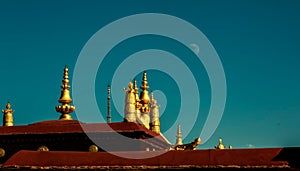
{"points": [[220, 145], [65, 109], [93, 148], [2, 152], [8, 115], [43, 148]]}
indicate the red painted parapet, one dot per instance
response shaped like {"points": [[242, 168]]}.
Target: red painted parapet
{"points": [[237, 158]]}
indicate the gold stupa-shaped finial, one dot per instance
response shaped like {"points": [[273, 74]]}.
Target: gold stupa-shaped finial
{"points": [[65, 109], [8, 115], [144, 96]]}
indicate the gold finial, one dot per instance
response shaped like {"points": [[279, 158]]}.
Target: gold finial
{"points": [[93, 148], [178, 137], [144, 97], [8, 115], [65, 109], [220, 145], [144, 82], [136, 92], [2, 152]]}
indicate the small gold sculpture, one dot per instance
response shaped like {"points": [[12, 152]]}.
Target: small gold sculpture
{"points": [[140, 108], [220, 145], [190, 146], [43, 148], [65, 109], [93, 148], [2, 152], [8, 115]]}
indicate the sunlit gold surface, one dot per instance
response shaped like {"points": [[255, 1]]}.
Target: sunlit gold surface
{"points": [[8, 115], [65, 109], [2, 152], [43, 148], [93, 148], [140, 108]]}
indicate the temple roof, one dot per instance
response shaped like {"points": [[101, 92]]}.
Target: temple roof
{"points": [[237, 158], [75, 126]]}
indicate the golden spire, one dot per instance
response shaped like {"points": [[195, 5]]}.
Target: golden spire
{"points": [[8, 115], [65, 109], [144, 96], [136, 92], [178, 136]]}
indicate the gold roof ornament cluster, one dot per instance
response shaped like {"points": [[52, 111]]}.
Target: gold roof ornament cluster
{"points": [[8, 115], [140, 108], [65, 109]]}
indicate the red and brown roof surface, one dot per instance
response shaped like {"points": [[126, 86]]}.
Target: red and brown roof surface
{"points": [[279, 158], [73, 126], [235, 158]]}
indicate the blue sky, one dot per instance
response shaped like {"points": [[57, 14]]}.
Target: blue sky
{"points": [[257, 41]]}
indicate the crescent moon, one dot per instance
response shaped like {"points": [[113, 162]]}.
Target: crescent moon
{"points": [[195, 48]]}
